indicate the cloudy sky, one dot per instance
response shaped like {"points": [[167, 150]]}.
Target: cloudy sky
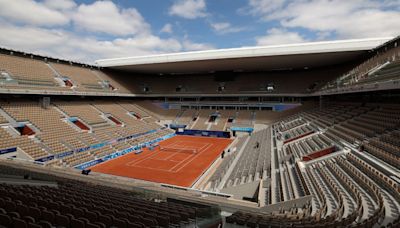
{"points": [[86, 30]]}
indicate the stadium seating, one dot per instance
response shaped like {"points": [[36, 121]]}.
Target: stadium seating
{"points": [[35, 73], [253, 164], [382, 66], [27, 71], [77, 204], [80, 76], [3, 119], [82, 110], [340, 193], [202, 119], [185, 117], [331, 165], [342, 190], [309, 145], [33, 149], [345, 195], [56, 134], [118, 86], [226, 163]]}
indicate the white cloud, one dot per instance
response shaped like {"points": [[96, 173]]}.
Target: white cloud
{"points": [[60, 4], [31, 12], [106, 17], [343, 19], [225, 27], [132, 35], [279, 36], [263, 6], [67, 45], [167, 28], [39, 38], [348, 19], [192, 46], [150, 43], [189, 9]]}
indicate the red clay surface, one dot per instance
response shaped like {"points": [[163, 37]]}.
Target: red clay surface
{"points": [[170, 167]]}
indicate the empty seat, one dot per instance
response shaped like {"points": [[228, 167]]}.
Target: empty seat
{"points": [[5, 220]]}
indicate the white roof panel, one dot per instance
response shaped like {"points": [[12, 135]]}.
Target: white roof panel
{"points": [[157, 62]]}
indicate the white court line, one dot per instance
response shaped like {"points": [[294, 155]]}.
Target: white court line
{"points": [[183, 148], [205, 145], [191, 158], [177, 153], [164, 170], [134, 162], [152, 156], [186, 161], [154, 153], [173, 154]]}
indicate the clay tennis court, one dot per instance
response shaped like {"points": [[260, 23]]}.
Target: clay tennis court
{"points": [[180, 160]]}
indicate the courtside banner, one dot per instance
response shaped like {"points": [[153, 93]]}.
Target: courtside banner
{"points": [[100, 145], [242, 129], [204, 133], [82, 149], [8, 150], [122, 152], [64, 154], [88, 164], [45, 159]]}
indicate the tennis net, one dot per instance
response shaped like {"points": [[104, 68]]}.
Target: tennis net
{"points": [[179, 150]]}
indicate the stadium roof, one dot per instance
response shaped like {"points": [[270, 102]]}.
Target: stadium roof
{"points": [[291, 56]]}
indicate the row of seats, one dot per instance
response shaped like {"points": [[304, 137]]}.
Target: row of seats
{"points": [[346, 191], [287, 124], [83, 78], [383, 65], [221, 121], [237, 117], [201, 122], [226, 163], [29, 71], [296, 132], [23, 142], [78, 204], [3, 119], [255, 160], [82, 110], [56, 134], [32, 73], [309, 145], [185, 117], [240, 83], [389, 71]]}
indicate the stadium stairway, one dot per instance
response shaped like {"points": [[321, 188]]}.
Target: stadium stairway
{"points": [[233, 164], [9, 118]]}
